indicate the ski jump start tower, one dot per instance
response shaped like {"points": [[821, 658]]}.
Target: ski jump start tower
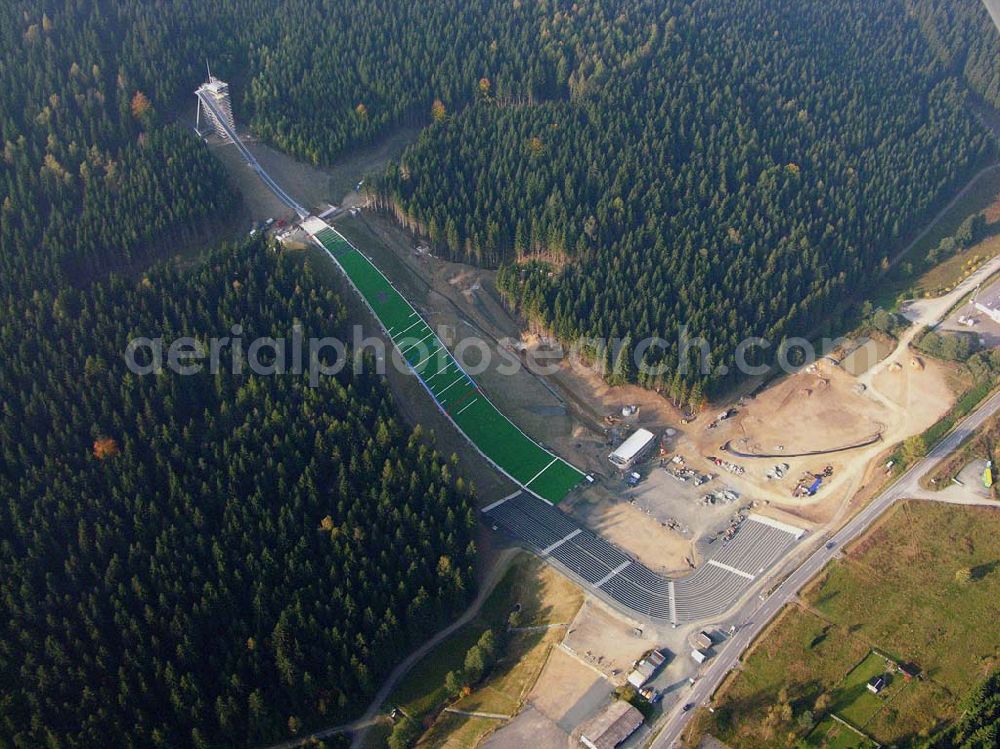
{"points": [[223, 107]]}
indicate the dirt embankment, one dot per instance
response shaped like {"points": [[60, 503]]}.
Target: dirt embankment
{"points": [[824, 408], [812, 410], [576, 413]]}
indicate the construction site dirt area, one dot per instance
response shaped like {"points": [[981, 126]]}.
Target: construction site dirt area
{"points": [[919, 388], [817, 410], [563, 685], [865, 354], [809, 438], [607, 641], [645, 537]]}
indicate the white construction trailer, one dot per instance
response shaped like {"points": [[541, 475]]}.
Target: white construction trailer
{"points": [[633, 449]]}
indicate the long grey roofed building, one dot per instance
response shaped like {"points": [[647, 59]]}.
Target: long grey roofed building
{"points": [[609, 729]]}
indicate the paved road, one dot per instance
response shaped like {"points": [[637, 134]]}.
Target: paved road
{"points": [[755, 614]]}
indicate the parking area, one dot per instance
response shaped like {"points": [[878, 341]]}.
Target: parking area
{"points": [[968, 319], [607, 641], [679, 499], [566, 694]]}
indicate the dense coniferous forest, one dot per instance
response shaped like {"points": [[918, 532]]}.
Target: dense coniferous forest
{"points": [[964, 37], [206, 559], [90, 176], [739, 172], [310, 77], [979, 726], [198, 561], [186, 561]]}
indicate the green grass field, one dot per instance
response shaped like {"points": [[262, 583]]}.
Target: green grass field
{"points": [[455, 392], [854, 703], [897, 590], [829, 734], [921, 588]]}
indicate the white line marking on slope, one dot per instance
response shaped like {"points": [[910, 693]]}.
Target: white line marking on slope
{"points": [[613, 572], [414, 324], [542, 471], [500, 501], [460, 378], [466, 406], [439, 372], [427, 358], [561, 541], [410, 348], [445, 368], [728, 568], [764, 520]]}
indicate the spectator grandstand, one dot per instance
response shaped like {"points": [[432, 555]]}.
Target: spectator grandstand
{"points": [[611, 574]]}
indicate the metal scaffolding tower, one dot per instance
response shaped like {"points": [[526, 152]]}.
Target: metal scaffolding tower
{"points": [[219, 111], [213, 99]]}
